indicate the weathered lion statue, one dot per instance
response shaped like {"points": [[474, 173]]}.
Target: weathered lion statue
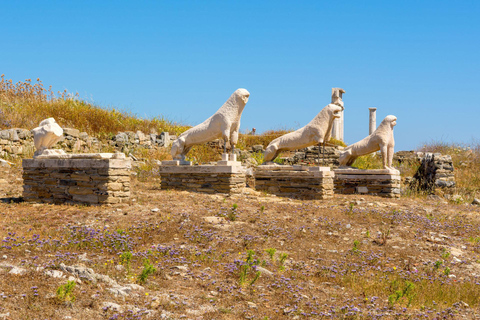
{"points": [[45, 136], [380, 139], [315, 132], [225, 124]]}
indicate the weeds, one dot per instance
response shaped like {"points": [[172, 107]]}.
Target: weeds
{"points": [[148, 269], [125, 259], [65, 292], [403, 293], [247, 269], [271, 253]]}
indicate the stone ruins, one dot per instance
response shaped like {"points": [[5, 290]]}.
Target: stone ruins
{"points": [[54, 176], [45, 136], [337, 127]]}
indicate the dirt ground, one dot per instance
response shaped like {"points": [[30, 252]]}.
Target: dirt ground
{"points": [[181, 255]]}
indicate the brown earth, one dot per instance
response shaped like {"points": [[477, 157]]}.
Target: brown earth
{"points": [[349, 257]]}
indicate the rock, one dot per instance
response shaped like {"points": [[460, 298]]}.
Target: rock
{"points": [[54, 273], [214, 220], [140, 136], [251, 305], [265, 272], [71, 132], [83, 136], [457, 198], [4, 163], [5, 315], [181, 268], [18, 271], [476, 202], [119, 267], [155, 210], [257, 148], [111, 306]]}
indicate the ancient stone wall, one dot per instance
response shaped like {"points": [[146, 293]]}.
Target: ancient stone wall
{"points": [[85, 181], [19, 142], [295, 181], [435, 171]]}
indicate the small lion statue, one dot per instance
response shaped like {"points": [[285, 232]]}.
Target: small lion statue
{"points": [[315, 132], [225, 124], [380, 139]]}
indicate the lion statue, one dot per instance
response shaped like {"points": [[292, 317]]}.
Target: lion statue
{"points": [[315, 132], [380, 139], [47, 134], [225, 124]]}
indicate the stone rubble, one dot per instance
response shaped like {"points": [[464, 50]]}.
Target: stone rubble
{"points": [[19, 142]]}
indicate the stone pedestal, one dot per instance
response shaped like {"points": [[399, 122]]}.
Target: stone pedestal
{"points": [[381, 182], [295, 181], [225, 177], [82, 179]]}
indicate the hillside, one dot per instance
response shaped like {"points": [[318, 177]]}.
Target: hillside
{"points": [[182, 255]]}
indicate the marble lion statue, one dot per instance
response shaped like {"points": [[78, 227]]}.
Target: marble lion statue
{"points": [[315, 132], [381, 139], [225, 124]]}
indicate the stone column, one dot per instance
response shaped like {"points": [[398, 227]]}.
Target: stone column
{"points": [[373, 120], [337, 127]]}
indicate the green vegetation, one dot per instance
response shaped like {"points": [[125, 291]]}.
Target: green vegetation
{"points": [[65, 292], [148, 269], [247, 271]]}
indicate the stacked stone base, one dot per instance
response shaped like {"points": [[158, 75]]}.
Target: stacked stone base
{"points": [[76, 181], [384, 183], [228, 178], [295, 181]]}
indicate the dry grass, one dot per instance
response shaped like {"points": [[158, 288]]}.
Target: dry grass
{"points": [[25, 104]]}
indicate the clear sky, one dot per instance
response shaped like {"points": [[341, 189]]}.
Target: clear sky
{"points": [[418, 60]]}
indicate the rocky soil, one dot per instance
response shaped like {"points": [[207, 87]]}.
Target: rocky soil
{"points": [[181, 255]]}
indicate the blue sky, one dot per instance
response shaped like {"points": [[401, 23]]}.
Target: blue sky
{"points": [[418, 60]]}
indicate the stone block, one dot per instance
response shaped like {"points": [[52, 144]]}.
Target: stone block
{"points": [[76, 180], [381, 182]]}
